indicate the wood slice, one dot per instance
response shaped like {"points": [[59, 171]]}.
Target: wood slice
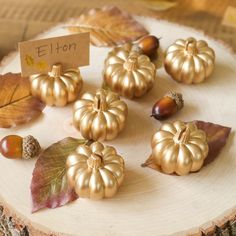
{"points": [[148, 203]]}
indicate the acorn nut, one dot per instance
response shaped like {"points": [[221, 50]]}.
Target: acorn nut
{"points": [[148, 44], [168, 105]]}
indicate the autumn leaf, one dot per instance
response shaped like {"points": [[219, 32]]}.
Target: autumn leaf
{"points": [[17, 106], [108, 26], [49, 187], [217, 136], [29, 60]]}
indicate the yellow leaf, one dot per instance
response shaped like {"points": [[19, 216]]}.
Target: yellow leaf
{"points": [[41, 65], [29, 60]]}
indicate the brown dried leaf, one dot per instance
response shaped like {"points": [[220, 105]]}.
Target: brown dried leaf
{"points": [[217, 136], [17, 106], [151, 164], [108, 26]]}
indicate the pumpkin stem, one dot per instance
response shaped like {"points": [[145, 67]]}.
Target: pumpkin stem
{"points": [[56, 70], [132, 62], [191, 46], [100, 100], [94, 161], [182, 135]]}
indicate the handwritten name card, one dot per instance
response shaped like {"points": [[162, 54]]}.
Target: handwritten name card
{"points": [[38, 56]]}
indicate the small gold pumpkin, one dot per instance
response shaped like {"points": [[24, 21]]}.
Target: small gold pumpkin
{"points": [[189, 61], [57, 88], [179, 148], [101, 116], [95, 171], [129, 73]]}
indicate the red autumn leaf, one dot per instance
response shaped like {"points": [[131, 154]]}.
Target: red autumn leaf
{"points": [[17, 106], [49, 187], [108, 26], [217, 136]]}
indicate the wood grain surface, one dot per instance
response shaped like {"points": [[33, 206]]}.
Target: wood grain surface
{"points": [[22, 20], [149, 202]]}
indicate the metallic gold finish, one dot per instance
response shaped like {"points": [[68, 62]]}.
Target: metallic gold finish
{"points": [[57, 88], [179, 148], [95, 171], [189, 61], [128, 72], [101, 116]]}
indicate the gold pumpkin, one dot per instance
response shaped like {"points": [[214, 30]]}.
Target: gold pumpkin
{"points": [[95, 171], [189, 61], [129, 73], [179, 148], [57, 88], [101, 116]]}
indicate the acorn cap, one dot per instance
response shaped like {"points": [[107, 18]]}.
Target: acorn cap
{"points": [[137, 49], [177, 97], [30, 147]]}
